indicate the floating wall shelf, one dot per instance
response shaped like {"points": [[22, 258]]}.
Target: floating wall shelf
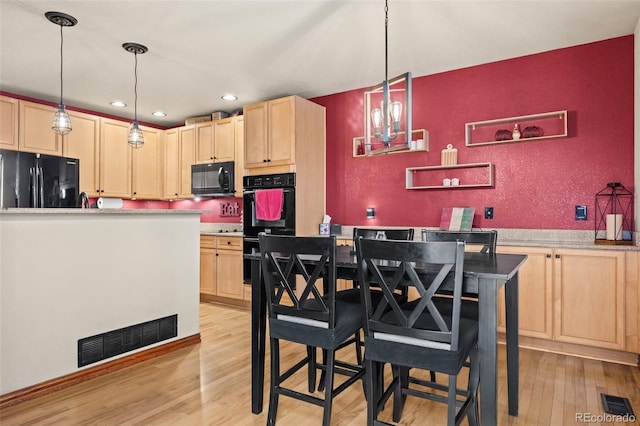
{"points": [[472, 175], [376, 147], [549, 125]]}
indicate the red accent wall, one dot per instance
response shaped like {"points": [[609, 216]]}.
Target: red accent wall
{"points": [[537, 183]]}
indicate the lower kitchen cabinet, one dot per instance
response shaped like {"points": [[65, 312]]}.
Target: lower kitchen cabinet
{"points": [[344, 284], [576, 299], [221, 269]]}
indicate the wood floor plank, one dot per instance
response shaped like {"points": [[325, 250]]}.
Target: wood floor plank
{"points": [[210, 384]]}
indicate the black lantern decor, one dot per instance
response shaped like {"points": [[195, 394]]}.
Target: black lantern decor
{"points": [[614, 218]]}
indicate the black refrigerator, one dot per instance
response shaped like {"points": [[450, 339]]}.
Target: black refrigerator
{"points": [[35, 180]]}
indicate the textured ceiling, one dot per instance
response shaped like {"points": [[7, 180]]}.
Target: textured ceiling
{"points": [[258, 50]]}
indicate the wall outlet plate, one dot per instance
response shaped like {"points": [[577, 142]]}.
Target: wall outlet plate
{"points": [[581, 212], [488, 212]]}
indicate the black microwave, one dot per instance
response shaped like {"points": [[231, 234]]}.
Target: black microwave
{"points": [[213, 179]]}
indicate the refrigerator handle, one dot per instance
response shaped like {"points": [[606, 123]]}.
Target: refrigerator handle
{"points": [[33, 187], [40, 187]]}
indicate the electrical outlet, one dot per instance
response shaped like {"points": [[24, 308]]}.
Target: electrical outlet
{"points": [[581, 212], [488, 212]]}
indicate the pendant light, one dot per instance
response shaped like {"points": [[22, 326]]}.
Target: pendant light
{"points": [[136, 137], [61, 121], [385, 123]]}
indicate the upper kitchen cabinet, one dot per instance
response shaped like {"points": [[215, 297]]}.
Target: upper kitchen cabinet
{"points": [[187, 157], [171, 164], [215, 141], [83, 143], [115, 159], [8, 123], [35, 134], [147, 166], [238, 123]]}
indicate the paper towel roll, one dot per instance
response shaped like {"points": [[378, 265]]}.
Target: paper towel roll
{"points": [[614, 227], [109, 203]]}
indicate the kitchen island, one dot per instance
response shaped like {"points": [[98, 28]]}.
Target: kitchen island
{"points": [[69, 274]]}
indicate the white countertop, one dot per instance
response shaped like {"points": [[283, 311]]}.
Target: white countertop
{"points": [[100, 211]]}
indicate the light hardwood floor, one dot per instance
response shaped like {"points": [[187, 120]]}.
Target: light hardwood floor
{"points": [[210, 384]]}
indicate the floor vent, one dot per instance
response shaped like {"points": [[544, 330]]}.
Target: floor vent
{"points": [[616, 405], [106, 345]]}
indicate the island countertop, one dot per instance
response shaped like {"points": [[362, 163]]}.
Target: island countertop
{"points": [[100, 211]]}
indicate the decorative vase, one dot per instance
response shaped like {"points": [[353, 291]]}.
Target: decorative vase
{"points": [[516, 133]]}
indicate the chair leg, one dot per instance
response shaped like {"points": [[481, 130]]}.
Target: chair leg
{"points": [[451, 400], [474, 380], [275, 381], [432, 376], [311, 370], [358, 348], [399, 397], [323, 375], [371, 387], [328, 394]]}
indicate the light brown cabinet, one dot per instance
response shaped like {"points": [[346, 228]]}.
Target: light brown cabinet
{"points": [[115, 159], [171, 164], [221, 267], [8, 123], [146, 181], [270, 133], [35, 133], [215, 141], [186, 144], [575, 297], [83, 143], [238, 122]]}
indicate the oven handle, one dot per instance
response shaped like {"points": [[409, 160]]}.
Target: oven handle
{"points": [[254, 191]]}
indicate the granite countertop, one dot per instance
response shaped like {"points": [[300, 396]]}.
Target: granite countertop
{"points": [[99, 211], [222, 233]]}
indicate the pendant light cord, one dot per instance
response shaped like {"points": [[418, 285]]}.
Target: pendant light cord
{"points": [[135, 88], [386, 24], [61, 56]]}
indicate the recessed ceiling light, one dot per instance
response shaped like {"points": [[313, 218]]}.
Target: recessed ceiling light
{"points": [[118, 104], [159, 114], [229, 97]]}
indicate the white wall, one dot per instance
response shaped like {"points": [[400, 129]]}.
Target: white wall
{"points": [[64, 277]]}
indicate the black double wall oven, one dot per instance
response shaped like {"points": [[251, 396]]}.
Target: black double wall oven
{"points": [[283, 224]]}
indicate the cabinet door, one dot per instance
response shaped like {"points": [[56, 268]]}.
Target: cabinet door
{"points": [[204, 142], [589, 297], [281, 131], [229, 277], [115, 159], [8, 123], [239, 150], [208, 271], [224, 140], [35, 134], [171, 164], [83, 143], [147, 167], [187, 158], [255, 135], [535, 288]]}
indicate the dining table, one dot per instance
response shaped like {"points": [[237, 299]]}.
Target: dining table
{"points": [[484, 275]]}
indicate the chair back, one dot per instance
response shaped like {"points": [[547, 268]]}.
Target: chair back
{"points": [[424, 266], [314, 259], [389, 234], [488, 239]]}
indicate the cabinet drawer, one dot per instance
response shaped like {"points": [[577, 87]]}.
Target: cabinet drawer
{"points": [[207, 241], [230, 243]]}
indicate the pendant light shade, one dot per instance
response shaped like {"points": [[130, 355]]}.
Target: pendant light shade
{"points": [[61, 121], [136, 137]]}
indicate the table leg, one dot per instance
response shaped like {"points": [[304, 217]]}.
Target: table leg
{"points": [[488, 350], [511, 308], [258, 337]]}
